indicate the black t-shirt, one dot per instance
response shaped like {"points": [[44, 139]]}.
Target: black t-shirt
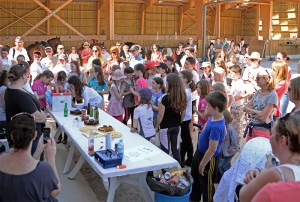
{"points": [[17, 101], [171, 118]]}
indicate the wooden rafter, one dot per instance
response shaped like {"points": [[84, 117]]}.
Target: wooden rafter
{"points": [[188, 6], [143, 9], [19, 18], [100, 4]]}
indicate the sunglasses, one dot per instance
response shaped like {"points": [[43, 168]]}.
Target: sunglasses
{"points": [[61, 48], [49, 51], [95, 51], [278, 59], [37, 57], [22, 113], [253, 60], [113, 52]]}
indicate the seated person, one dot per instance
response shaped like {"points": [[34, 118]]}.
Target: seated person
{"points": [[23, 177]]}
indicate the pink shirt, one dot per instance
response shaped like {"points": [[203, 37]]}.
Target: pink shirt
{"points": [[40, 89], [201, 108], [140, 83], [281, 88]]}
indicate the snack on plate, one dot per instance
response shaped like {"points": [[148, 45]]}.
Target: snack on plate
{"points": [[95, 134], [84, 118], [106, 128], [91, 122], [87, 128], [115, 134], [75, 112]]}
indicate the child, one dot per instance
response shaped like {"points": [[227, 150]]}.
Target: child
{"points": [[82, 91], [141, 82], [40, 84], [151, 72], [75, 70], [143, 116], [230, 144], [61, 81], [128, 99], [114, 107], [203, 89], [3, 86], [157, 91], [206, 157], [97, 81], [186, 146], [162, 69]]}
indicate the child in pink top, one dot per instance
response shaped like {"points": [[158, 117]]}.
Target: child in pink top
{"points": [[141, 82], [40, 84], [203, 88]]}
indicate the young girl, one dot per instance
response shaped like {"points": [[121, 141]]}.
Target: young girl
{"points": [[186, 146], [128, 100], [61, 81], [141, 82], [230, 144], [97, 81], [3, 86], [143, 116], [75, 70], [82, 91], [157, 91], [40, 84], [114, 107], [203, 89]]}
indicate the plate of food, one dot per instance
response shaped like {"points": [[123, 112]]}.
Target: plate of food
{"points": [[75, 112], [95, 134], [106, 129], [115, 134], [87, 128], [91, 122]]}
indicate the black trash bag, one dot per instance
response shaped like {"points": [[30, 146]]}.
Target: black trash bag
{"points": [[169, 190]]}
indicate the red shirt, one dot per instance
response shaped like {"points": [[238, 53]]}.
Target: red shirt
{"points": [[84, 53], [281, 88]]}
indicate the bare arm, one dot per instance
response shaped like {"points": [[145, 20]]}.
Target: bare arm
{"points": [[160, 115], [212, 148]]}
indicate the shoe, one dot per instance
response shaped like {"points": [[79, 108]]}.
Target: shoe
{"points": [[64, 141], [188, 163], [58, 141]]}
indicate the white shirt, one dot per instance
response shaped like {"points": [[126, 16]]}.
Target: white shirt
{"points": [[188, 109], [237, 88], [47, 64], [35, 70], [22, 52], [61, 67], [91, 96], [195, 79], [73, 56], [6, 64], [144, 115]]}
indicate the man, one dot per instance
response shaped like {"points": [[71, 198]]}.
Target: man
{"points": [[135, 55], [104, 53], [18, 50], [60, 50], [225, 44], [5, 63], [243, 51], [217, 48], [48, 61]]}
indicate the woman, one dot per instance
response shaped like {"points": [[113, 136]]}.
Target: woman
{"points": [[261, 107], [294, 93], [281, 78], [171, 111], [19, 100], [179, 53], [114, 59], [24, 177], [96, 54], [156, 55], [285, 143], [284, 101], [75, 70]]}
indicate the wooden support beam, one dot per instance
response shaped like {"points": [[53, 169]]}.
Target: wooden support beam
{"points": [[53, 13], [199, 18], [257, 19], [227, 6], [48, 21], [148, 4], [19, 18], [180, 19], [298, 21], [267, 20], [109, 19], [99, 6], [188, 6], [142, 19], [217, 21]]}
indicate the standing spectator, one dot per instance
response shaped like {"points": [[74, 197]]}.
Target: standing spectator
{"points": [[206, 157], [104, 53], [86, 53], [121, 52], [36, 67], [5, 62], [96, 55], [190, 44], [157, 91], [169, 61], [225, 45], [18, 50], [136, 58], [207, 72], [151, 70], [243, 51], [179, 53], [210, 53], [61, 65], [189, 52], [60, 50], [75, 70], [162, 69], [217, 48], [48, 62], [73, 56], [171, 111], [3, 86], [231, 50], [156, 55], [294, 95], [114, 59], [128, 99]]}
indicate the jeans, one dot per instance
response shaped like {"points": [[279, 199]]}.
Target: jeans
{"points": [[225, 164], [284, 102]]}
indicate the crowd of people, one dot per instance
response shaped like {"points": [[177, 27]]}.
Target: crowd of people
{"points": [[230, 95]]}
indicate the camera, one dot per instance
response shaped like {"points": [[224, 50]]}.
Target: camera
{"points": [[46, 134]]}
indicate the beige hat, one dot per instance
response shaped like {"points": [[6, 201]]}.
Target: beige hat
{"points": [[135, 47], [255, 55], [205, 64], [86, 44]]}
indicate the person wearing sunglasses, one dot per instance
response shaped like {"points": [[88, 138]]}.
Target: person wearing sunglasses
{"points": [[96, 55], [19, 100], [261, 107], [114, 59], [23, 177], [18, 50], [36, 66], [48, 61], [285, 143]]}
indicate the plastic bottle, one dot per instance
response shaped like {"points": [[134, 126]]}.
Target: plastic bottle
{"points": [[121, 148], [91, 143], [91, 112], [96, 114], [88, 109], [66, 111]]}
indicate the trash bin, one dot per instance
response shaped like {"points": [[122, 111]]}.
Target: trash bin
{"points": [[158, 197]]}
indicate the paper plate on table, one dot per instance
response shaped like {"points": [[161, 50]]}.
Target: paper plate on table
{"points": [[95, 134], [87, 128], [115, 134]]}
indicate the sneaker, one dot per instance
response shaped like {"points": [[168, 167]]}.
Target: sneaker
{"points": [[58, 141], [64, 141]]}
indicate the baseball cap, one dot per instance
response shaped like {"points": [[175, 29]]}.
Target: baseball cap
{"points": [[150, 64], [145, 94], [162, 65]]}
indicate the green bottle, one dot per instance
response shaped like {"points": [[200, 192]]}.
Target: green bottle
{"points": [[91, 112], [66, 110], [96, 114]]}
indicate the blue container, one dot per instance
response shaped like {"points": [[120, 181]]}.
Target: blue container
{"points": [[165, 198]]}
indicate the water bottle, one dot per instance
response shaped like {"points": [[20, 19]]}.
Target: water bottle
{"points": [[91, 143], [121, 148]]}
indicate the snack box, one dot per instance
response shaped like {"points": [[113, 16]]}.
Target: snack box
{"points": [[108, 158]]}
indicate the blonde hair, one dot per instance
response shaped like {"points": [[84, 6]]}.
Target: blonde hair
{"points": [[281, 71], [270, 81]]}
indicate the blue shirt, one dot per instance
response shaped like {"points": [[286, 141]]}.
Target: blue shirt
{"points": [[154, 101], [93, 83], [213, 130]]}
